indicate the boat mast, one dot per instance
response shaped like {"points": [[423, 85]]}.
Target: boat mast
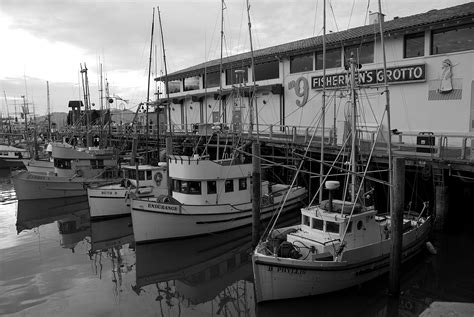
{"points": [[166, 71], [387, 109], [354, 131], [221, 112], [148, 86], [253, 79], [101, 91], [49, 111], [8, 115], [85, 85], [323, 109]]}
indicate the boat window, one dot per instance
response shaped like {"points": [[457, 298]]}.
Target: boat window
{"points": [[211, 187], [359, 225], [242, 183], [236, 76], [333, 59], [301, 63], [212, 79], [184, 187], [62, 163], [305, 220], [176, 185], [148, 175], [97, 164], [317, 224], [363, 53], [229, 185], [332, 227], [194, 187], [453, 39], [191, 83], [174, 86], [132, 174], [414, 45], [269, 70], [141, 175]]}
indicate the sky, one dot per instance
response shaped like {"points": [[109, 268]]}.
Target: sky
{"points": [[49, 40]]}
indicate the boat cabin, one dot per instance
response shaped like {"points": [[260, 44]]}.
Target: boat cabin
{"points": [[153, 177], [197, 180], [324, 229]]}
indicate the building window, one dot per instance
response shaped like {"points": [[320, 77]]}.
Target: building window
{"points": [[333, 59], [242, 183], [236, 76], [305, 220], [229, 185], [332, 227], [414, 45], [212, 80], [301, 63], [452, 39], [317, 224], [363, 53], [174, 86], [191, 83], [211, 187], [269, 70], [141, 175]]}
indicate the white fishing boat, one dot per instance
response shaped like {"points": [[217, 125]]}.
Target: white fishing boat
{"points": [[74, 169], [12, 156], [339, 243], [208, 196], [142, 181]]}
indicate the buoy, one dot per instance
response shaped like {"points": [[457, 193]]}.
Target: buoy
{"points": [[431, 248]]}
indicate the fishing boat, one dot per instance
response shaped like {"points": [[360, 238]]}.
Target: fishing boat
{"points": [[12, 156], [208, 196], [41, 165], [112, 200], [74, 169], [339, 243]]}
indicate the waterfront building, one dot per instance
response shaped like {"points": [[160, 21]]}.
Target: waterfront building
{"points": [[429, 59]]}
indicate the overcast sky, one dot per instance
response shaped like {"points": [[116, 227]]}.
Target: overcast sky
{"points": [[47, 40]]}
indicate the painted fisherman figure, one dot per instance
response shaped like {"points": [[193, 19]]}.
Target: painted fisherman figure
{"points": [[446, 84]]}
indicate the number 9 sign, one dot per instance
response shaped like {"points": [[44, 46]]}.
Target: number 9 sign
{"points": [[301, 87]]}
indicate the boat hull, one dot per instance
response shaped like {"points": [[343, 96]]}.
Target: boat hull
{"points": [[282, 278], [39, 186], [39, 166], [108, 201], [153, 221]]}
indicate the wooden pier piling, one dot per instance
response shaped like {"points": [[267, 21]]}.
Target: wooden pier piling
{"points": [[398, 202], [442, 203]]}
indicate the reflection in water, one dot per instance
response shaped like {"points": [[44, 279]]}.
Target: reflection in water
{"points": [[111, 239], [190, 272]]}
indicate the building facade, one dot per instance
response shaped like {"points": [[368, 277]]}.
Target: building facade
{"points": [[430, 70]]}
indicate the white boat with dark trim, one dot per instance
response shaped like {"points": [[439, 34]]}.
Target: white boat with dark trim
{"points": [[74, 169], [112, 200], [208, 196], [12, 156], [339, 243]]}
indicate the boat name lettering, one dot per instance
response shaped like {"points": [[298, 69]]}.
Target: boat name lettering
{"points": [[31, 176], [163, 207], [107, 193], [409, 73], [286, 270]]}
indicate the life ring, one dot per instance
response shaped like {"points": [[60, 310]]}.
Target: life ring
{"points": [[78, 173], [158, 178]]}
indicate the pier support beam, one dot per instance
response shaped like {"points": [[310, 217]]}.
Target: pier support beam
{"points": [[398, 202], [442, 202], [256, 193]]}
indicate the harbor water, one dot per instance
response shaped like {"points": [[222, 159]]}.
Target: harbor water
{"points": [[55, 262]]}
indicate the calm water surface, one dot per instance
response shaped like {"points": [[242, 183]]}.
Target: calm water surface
{"points": [[55, 262]]}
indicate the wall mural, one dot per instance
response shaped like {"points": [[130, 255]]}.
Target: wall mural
{"points": [[446, 85], [301, 87]]}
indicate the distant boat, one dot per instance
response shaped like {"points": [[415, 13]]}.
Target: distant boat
{"points": [[11, 156], [74, 169], [208, 196], [113, 200]]}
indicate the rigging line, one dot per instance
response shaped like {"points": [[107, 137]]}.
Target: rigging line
{"points": [[370, 106], [315, 15], [350, 16], [334, 17]]}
